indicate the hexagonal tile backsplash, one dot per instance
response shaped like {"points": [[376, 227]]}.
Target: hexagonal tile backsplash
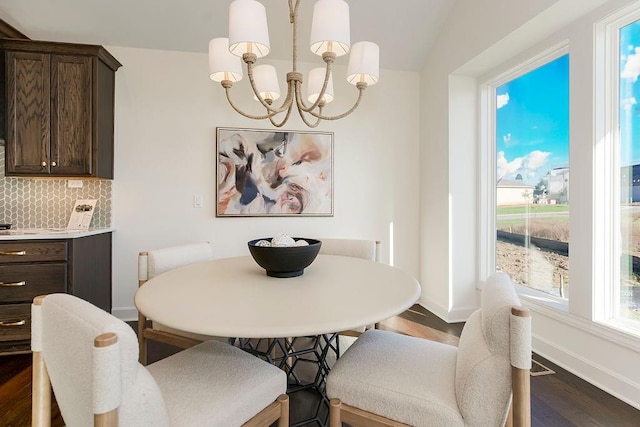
{"points": [[47, 202]]}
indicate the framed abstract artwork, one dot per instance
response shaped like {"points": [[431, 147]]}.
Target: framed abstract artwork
{"points": [[274, 173]]}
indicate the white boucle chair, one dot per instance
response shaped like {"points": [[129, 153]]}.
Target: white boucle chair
{"points": [[91, 359], [356, 248], [365, 249], [391, 379], [154, 263]]}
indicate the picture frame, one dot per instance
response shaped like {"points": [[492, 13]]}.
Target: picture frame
{"points": [[81, 214], [273, 173]]}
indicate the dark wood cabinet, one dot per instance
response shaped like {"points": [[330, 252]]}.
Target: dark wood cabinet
{"points": [[59, 109], [28, 268]]}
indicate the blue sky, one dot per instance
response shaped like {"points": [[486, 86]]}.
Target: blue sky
{"points": [[629, 94], [532, 122]]}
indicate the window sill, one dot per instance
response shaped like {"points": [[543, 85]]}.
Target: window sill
{"points": [[613, 331], [539, 297], [621, 326]]}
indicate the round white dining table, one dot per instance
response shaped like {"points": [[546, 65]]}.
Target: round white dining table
{"points": [[233, 297]]}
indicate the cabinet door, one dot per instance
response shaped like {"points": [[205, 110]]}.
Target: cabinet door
{"points": [[28, 110], [71, 104]]}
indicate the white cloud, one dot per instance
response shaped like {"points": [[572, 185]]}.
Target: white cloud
{"points": [[505, 167], [628, 103], [527, 165], [631, 68], [502, 100], [506, 139], [535, 160]]}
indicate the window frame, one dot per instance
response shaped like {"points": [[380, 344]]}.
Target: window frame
{"points": [[607, 180], [487, 182]]}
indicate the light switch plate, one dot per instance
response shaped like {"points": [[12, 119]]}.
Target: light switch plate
{"points": [[197, 201], [74, 183]]}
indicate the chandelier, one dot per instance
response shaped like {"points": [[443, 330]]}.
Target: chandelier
{"points": [[249, 39]]}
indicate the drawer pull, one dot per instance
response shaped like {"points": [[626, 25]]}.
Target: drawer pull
{"points": [[12, 284], [13, 253], [16, 323]]}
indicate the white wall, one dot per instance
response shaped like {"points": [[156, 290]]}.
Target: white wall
{"points": [[167, 111], [499, 34]]}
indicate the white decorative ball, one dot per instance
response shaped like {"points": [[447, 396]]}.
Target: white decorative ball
{"points": [[301, 242], [263, 243], [281, 240]]}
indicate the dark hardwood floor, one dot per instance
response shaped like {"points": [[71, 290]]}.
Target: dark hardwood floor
{"points": [[558, 399]]}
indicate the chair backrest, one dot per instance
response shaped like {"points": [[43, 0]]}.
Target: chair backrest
{"points": [[365, 249], [484, 363], [88, 379], [153, 263]]}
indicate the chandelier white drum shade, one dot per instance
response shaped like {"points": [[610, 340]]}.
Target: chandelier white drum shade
{"points": [[330, 38], [222, 64], [248, 32], [330, 29]]}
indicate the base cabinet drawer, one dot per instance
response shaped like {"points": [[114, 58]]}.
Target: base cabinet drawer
{"points": [[15, 322], [13, 252], [23, 282]]}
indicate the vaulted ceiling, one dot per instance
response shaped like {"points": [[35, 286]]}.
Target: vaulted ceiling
{"points": [[405, 30]]}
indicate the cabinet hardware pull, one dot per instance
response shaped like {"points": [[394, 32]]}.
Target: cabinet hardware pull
{"points": [[16, 323], [54, 164], [12, 284], [44, 164], [12, 253]]}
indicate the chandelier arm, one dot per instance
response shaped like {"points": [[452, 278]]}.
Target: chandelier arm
{"points": [[306, 122], [289, 101], [361, 88], [284, 120], [269, 109], [300, 101], [301, 111], [249, 116]]}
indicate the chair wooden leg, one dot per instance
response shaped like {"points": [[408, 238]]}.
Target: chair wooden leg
{"points": [[334, 413], [142, 341], [108, 419], [520, 379], [41, 394], [520, 370], [283, 421]]}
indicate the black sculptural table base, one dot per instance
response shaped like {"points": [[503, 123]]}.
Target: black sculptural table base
{"points": [[306, 361]]}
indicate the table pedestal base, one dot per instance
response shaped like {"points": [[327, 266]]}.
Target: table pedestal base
{"points": [[306, 361]]}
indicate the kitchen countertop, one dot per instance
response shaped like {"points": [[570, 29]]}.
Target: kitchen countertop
{"points": [[49, 233]]}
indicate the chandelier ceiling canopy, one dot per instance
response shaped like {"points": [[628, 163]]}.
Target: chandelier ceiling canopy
{"points": [[330, 37]]}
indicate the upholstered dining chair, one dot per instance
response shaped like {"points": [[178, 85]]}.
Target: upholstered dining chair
{"points": [[356, 248], [90, 359], [150, 265], [390, 379]]}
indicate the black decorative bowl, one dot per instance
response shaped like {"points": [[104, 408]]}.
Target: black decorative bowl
{"points": [[284, 261]]}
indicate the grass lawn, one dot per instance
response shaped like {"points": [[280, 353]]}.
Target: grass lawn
{"points": [[531, 209]]}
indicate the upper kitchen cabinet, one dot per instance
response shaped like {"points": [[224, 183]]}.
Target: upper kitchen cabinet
{"points": [[59, 108]]}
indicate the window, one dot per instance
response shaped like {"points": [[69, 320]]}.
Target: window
{"points": [[626, 294], [532, 174]]}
